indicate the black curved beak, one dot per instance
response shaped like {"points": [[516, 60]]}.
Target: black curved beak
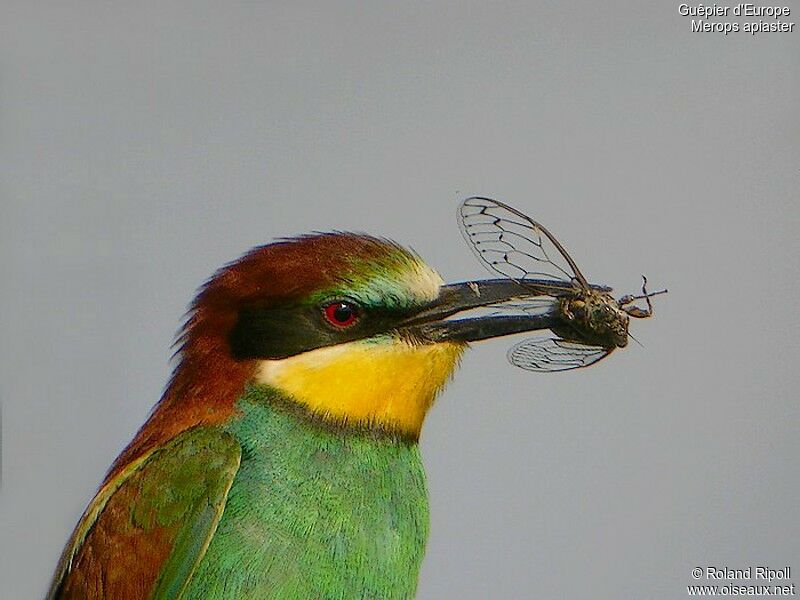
{"points": [[433, 323]]}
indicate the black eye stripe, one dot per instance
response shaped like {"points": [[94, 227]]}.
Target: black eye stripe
{"points": [[277, 332]]}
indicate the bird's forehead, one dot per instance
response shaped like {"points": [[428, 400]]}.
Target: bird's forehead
{"points": [[319, 267], [398, 281]]}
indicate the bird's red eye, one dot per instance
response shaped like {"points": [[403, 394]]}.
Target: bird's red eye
{"points": [[341, 313]]}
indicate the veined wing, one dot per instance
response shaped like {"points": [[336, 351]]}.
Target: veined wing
{"points": [[554, 354], [514, 245], [532, 306]]}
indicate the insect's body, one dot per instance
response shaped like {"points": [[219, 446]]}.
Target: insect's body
{"points": [[588, 322], [593, 318]]}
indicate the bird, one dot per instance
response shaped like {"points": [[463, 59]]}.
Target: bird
{"points": [[282, 460]]}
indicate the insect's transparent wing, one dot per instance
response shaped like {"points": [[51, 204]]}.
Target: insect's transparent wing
{"points": [[554, 354], [515, 246], [533, 306]]}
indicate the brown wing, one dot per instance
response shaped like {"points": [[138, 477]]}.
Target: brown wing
{"points": [[147, 529]]}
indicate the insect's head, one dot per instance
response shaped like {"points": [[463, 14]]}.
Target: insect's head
{"points": [[608, 320], [600, 319]]}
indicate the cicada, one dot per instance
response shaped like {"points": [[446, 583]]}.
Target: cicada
{"points": [[588, 323]]}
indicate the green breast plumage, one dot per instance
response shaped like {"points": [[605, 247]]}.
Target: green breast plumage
{"points": [[315, 513]]}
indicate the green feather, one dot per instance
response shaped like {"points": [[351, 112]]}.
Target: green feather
{"points": [[315, 513], [182, 487], [196, 477], [276, 505]]}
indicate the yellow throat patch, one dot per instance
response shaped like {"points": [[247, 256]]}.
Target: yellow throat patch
{"points": [[386, 382]]}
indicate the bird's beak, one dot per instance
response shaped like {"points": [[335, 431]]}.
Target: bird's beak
{"points": [[433, 323]]}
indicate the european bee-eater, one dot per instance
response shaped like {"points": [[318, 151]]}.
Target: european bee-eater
{"points": [[282, 460]]}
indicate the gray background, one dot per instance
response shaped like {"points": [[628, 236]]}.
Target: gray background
{"points": [[144, 144]]}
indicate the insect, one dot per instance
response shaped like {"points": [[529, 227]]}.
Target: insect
{"points": [[588, 322]]}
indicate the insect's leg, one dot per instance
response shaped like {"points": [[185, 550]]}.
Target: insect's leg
{"points": [[635, 311], [628, 298], [639, 313], [566, 309]]}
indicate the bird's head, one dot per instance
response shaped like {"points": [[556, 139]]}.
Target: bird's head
{"points": [[352, 328]]}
